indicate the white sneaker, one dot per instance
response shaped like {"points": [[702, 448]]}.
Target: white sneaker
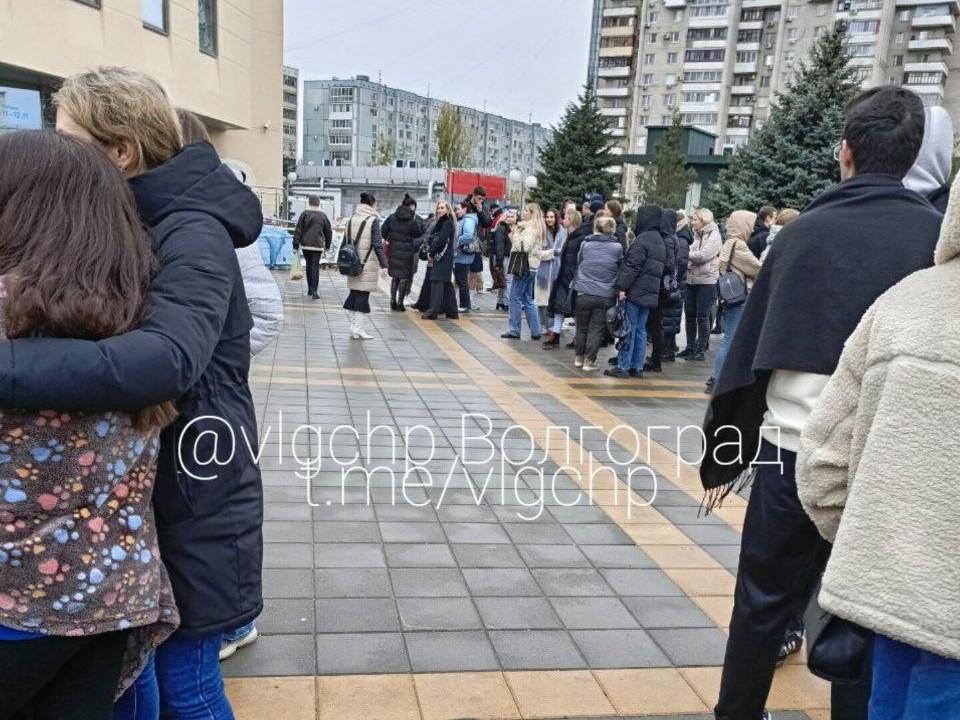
{"points": [[587, 367], [578, 362], [229, 647]]}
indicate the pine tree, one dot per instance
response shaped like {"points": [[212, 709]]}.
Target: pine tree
{"points": [[789, 160], [666, 180], [574, 162]]}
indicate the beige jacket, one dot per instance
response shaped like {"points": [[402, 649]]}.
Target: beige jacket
{"points": [[735, 254], [523, 238], [367, 281], [879, 463]]}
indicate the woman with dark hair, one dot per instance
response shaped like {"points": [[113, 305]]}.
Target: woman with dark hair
{"points": [[549, 266], [363, 231], [442, 248], [84, 597], [401, 232], [468, 240]]}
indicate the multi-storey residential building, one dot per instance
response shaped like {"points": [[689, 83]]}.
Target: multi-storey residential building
{"points": [[217, 58], [345, 121], [720, 63], [291, 124]]}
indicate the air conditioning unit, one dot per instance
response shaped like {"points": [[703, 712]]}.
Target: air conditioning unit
{"points": [[789, 18], [667, 36], [792, 41]]}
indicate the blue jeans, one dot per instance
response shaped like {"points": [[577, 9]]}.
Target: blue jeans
{"points": [[521, 298], [181, 682], [731, 319], [632, 357], [913, 684], [276, 245]]}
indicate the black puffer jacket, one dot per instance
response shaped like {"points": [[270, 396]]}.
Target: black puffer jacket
{"points": [[404, 232], [673, 308], [568, 266], [668, 231], [758, 239], [641, 274], [501, 243], [194, 346], [442, 250]]}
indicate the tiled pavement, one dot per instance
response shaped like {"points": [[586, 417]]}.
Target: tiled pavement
{"points": [[562, 600]]}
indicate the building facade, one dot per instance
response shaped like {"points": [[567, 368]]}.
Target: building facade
{"points": [[217, 58], [720, 63], [346, 121], [291, 122]]}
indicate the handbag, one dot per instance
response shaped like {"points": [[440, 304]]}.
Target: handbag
{"points": [[731, 287], [837, 649], [519, 265], [618, 325], [499, 281], [296, 267]]}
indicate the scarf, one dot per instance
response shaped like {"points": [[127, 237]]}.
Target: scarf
{"points": [[848, 247]]}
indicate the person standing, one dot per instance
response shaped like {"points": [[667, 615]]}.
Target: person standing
{"points": [[825, 270], [314, 234], [930, 174], [441, 250], [525, 253], [484, 228], [667, 230], [549, 266], [766, 218], [562, 296], [684, 231], [402, 232], [672, 311], [639, 282], [703, 271], [468, 241], [500, 254], [363, 231], [597, 267], [616, 211], [736, 257], [878, 460]]}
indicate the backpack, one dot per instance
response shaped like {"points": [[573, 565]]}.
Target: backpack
{"points": [[348, 259]]}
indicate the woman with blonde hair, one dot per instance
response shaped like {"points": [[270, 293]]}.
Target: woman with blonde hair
{"points": [[194, 345], [703, 271], [525, 252], [441, 254]]}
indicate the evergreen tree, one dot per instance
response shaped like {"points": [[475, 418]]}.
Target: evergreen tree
{"points": [[665, 181], [789, 160], [574, 162]]}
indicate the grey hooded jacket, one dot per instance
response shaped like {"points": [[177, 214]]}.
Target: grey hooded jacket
{"points": [[930, 174]]}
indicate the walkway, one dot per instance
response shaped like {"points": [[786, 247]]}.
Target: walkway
{"points": [[478, 597]]}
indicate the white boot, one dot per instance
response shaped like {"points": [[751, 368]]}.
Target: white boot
{"points": [[353, 324], [358, 332]]}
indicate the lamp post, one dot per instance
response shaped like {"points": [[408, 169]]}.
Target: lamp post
{"points": [[516, 177], [288, 182]]}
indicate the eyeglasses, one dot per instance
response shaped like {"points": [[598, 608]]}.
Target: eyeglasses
{"points": [[836, 150]]}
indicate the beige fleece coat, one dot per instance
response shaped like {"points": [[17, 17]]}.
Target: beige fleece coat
{"points": [[735, 254], [368, 280], [879, 463]]}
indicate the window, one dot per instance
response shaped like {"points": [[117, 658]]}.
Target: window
{"points": [[708, 119], [751, 15], [673, 58], [750, 36], [341, 124], [819, 31], [652, 38], [669, 100], [289, 114], [703, 76], [650, 58], [694, 34], [898, 60], [868, 50], [646, 100], [701, 97], [863, 27], [647, 79], [614, 62], [922, 78], [653, 17], [290, 98], [746, 56], [154, 15], [705, 55], [792, 35], [340, 140], [207, 20], [677, 16], [674, 37]]}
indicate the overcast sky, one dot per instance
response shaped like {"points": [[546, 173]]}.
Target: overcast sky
{"points": [[522, 57]]}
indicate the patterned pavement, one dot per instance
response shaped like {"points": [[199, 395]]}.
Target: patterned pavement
{"points": [[483, 594]]}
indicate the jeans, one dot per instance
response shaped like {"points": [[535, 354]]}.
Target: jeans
{"points": [[913, 684], [311, 259], [503, 296], [461, 273], [632, 358], [276, 245], [521, 299], [698, 303], [731, 319], [186, 675], [591, 314]]}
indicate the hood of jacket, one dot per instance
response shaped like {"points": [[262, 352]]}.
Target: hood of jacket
{"points": [[649, 217], [195, 180], [934, 162], [740, 224], [366, 211], [948, 247], [404, 213], [668, 222]]}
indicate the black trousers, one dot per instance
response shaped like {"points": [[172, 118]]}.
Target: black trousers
{"points": [[781, 558], [399, 289], [655, 333], [591, 314], [312, 261], [60, 678], [443, 301], [423, 299], [461, 273], [698, 302]]}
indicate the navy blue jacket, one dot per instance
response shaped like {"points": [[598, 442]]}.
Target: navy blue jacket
{"points": [[641, 274], [194, 346]]}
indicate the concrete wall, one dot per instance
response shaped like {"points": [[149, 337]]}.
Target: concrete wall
{"points": [[237, 93]]}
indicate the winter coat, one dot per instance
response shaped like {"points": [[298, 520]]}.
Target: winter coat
{"points": [[758, 238], [369, 246], [313, 231], [194, 345], [501, 243], [403, 244], [673, 308], [704, 258], [522, 239], [877, 467], [468, 231], [263, 298], [736, 254], [442, 249], [568, 266], [641, 275], [621, 231], [598, 263], [931, 171], [684, 232], [549, 266], [668, 224]]}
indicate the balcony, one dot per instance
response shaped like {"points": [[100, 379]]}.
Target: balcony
{"points": [[933, 67], [745, 67], [762, 3], [936, 90], [628, 11], [613, 72], [617, 51], [740, 109], [743, 90], [613, 111], [613, 92], [943, 44], [618, 31], [946, 21], [674, 4], [616, 132]]}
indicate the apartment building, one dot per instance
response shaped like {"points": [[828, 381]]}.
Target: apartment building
{"points": [[720, 63], [291, 122], [345, 121], [220, 59]]}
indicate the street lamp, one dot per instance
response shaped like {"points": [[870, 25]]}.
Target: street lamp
{"points": [[530, 183]]}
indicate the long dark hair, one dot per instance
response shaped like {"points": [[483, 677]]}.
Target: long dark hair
{"points": [[74, 257]]}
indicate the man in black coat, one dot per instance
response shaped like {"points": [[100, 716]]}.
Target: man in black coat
{"points": [[314, 234], [825, 270]]}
